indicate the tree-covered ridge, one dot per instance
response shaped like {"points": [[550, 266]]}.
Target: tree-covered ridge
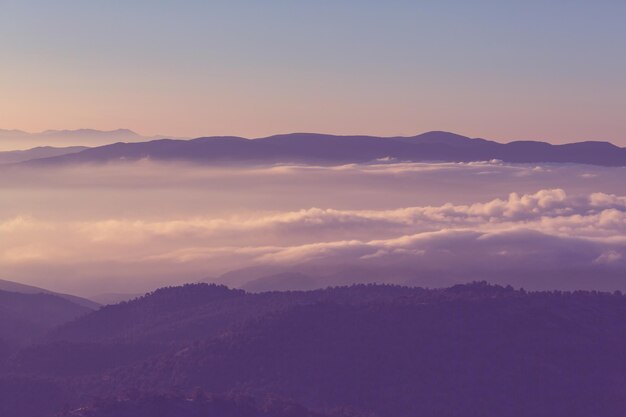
{"points": [[468, 350]]}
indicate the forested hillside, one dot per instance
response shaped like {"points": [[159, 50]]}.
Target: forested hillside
{"points": [[470, 350]]}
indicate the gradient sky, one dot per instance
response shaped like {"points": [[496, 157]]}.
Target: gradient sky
{"points": [[551, 70]]}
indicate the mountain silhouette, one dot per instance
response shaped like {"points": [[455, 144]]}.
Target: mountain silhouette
{"points": [[381, 350], [17, 139], [25, 317], [9, 157], [29, 289], [311, 148]]}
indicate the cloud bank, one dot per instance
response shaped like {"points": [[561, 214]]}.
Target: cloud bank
{"points": [[545, 239]]}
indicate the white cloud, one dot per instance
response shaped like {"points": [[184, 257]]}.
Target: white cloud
{"points": [[609, 257], [370, 215], [320, 231]]}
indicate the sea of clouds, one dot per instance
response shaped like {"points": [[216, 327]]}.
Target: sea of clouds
{"points": [[133, 227]]}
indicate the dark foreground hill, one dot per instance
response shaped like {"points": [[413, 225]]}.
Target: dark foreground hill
{"points": [[471, 350], [310, 148]]}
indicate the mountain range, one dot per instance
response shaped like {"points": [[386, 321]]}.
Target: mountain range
{"points": [[29, 289], [25, 317], [11, 157], [362, 350], [311, 148], [11, 140]]}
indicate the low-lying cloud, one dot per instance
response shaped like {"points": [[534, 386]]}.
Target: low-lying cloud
{"points": [[547, 235]]}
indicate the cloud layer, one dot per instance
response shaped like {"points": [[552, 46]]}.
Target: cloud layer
{"points": [[548, 235]]}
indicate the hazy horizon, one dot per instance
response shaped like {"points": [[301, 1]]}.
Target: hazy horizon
{"points": [[16, 139], [483, 69]]}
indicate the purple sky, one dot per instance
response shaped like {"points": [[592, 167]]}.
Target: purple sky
{"points": [[503, 70]]}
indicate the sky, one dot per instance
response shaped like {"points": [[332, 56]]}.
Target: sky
{"points": [[504, 70]]}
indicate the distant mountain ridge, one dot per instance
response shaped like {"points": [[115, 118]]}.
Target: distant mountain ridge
{"points": [[14, 133], [29, 289], [312, 148], [18, 140], [11, 157], [26, 316]]}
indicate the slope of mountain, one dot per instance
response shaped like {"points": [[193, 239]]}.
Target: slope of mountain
{"points": [[178, 313], [10, 157], [166, 319], [392, 351], [24, 317], [17, 139], [472, 350], [29, 289], [329, 149], [196, 311]]}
